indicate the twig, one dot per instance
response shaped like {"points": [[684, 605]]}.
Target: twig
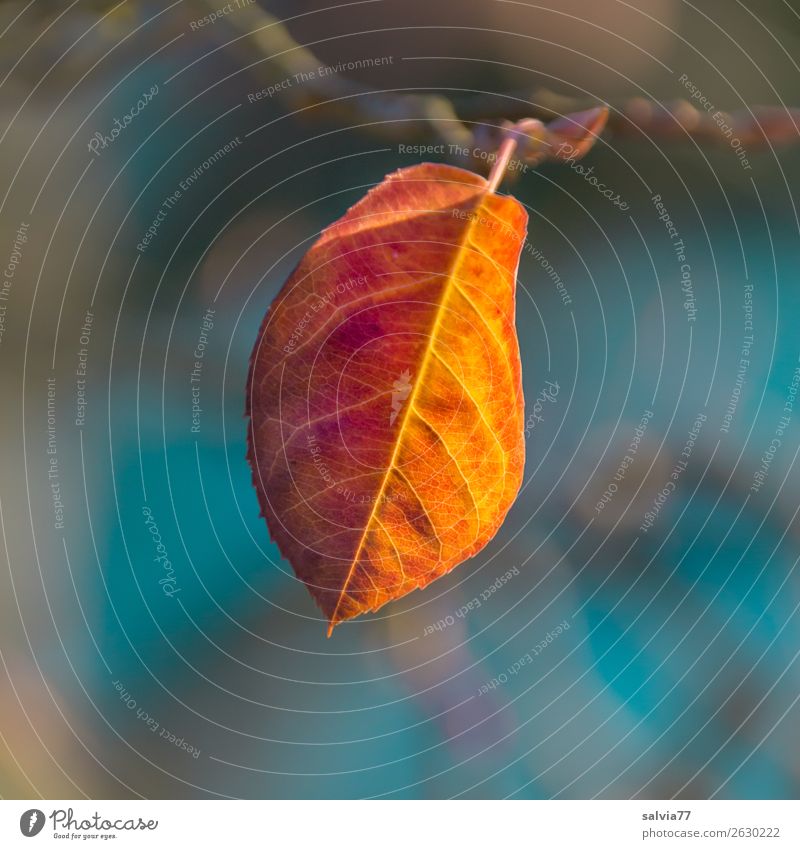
{"points": [[479, 120]]}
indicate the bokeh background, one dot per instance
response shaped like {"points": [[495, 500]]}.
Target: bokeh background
{"points": [[668, 658]]}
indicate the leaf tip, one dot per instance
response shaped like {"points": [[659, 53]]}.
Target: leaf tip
{"points": [[573, 136]]}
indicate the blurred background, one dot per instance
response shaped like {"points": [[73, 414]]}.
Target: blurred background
{"points": [[163, 169]]}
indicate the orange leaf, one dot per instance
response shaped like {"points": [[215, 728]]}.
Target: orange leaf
{"points": [[384, 395]]}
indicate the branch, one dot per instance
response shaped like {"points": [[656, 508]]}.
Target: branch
{"points": [[268, 49]]}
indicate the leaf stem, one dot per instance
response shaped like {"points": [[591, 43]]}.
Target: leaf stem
{"points": [[500, 166]]}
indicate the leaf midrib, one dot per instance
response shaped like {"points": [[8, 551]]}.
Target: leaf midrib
{"points": [[410, 401]]}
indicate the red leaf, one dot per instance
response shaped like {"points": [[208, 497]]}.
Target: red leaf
{"points": [[385, 394]]}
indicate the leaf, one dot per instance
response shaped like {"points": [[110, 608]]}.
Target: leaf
{"points": [[385, 396]]}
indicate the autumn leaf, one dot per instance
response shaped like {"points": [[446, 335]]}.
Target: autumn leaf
{"points": [[384, 395]]}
